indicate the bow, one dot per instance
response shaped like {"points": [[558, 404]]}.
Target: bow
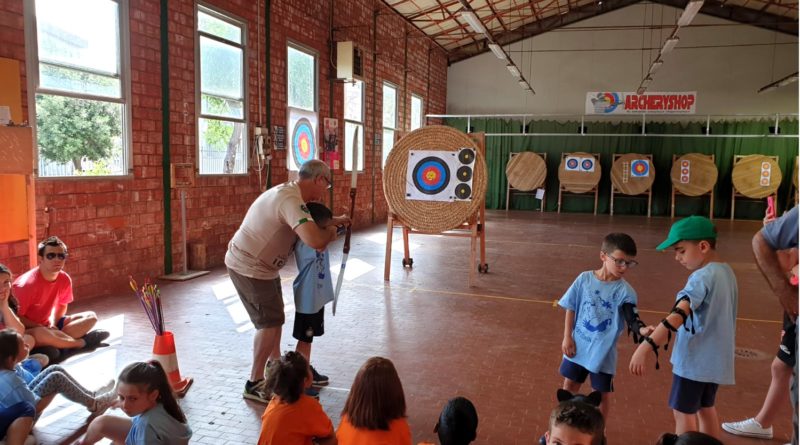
{"points": [[346, 248]]}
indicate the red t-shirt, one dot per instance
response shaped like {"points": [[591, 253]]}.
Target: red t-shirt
{"points": [[399, 434], [294, 424], [38, 297]]}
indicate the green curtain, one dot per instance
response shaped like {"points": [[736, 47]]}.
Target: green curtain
{"points": [[661, 147]]}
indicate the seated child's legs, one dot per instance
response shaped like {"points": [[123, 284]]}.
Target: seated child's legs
{"points": [[574, 375], [14, 420], [686, 399], [109, 427], [54, 380]]}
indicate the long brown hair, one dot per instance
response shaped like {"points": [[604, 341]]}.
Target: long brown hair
{"points": [[9, 345], [150, 376], [287, 378], [376, 397]]}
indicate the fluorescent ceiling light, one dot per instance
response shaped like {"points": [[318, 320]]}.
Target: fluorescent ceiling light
{"points": [[646, 81], [473, 21], [791, 78], [641, 90], [514, 70], [523, 84], [497, 50], [655, 66], [669, 45], [692, 8]]}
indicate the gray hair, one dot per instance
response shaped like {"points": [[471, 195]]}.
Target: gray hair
{"points": [[313, 169]]}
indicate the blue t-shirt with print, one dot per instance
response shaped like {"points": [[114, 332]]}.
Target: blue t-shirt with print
{"points": [[313, 287], [156, 427], [598, 320], [707, 355]]}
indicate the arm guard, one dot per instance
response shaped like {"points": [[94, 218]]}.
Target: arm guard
{"points": [[682, 313], [634, 322]]}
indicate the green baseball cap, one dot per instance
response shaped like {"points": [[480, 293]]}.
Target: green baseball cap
{"points": [[691, 228]]}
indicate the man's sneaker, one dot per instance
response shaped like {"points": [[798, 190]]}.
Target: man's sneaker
{"points": [[312, 392], [257, 391], [318, 379], [103, 402], [748, 428], [94, 338]]}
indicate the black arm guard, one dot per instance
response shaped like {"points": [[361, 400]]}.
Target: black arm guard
{"points": [[655, 349], [682, 313], [634, 323]]}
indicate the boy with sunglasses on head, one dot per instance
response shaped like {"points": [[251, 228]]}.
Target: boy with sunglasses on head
{"points": [[598, 305], [44, 294], [703, 321]]}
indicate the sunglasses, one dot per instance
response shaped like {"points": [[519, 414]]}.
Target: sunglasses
{"points": [[620, 262], [53, 255]]}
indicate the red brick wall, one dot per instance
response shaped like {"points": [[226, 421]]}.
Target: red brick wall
{"points": [[115, 227]]}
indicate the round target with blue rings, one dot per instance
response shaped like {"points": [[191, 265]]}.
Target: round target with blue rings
{"points": [[431, 175]]}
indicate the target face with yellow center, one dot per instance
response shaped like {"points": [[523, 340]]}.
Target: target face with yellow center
{"points": [[440, 175], [304, 146], [431, 175]]}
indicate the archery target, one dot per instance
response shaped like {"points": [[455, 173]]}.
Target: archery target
{"points": [[766, 174], [440, 175], [587, 164], [431, 175], [686, 166], [640, 168], [302, 138], [572, 164]]}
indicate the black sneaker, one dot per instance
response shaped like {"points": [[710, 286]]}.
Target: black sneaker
{"points": [[257, 391], [318, 379], [94, 338]]}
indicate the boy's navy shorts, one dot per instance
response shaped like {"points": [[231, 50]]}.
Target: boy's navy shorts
{"points": [[308, 326], [788, 347], [688, 396], [600, 381]]}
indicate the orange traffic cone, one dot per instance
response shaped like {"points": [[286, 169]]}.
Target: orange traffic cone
{"points": [[164, 352]]}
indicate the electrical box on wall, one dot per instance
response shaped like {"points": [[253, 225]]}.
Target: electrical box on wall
{"points": [[349, 64]]}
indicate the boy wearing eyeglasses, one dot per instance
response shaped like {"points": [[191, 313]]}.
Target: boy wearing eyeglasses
{"points": [[703, 321], [598, 305], [44, 294]]}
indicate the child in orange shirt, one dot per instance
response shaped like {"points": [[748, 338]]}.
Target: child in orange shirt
{"points": [[375, 410], [292, 417]]}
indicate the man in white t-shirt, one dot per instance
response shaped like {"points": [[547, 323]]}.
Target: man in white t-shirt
{"points": [[261, 247]]}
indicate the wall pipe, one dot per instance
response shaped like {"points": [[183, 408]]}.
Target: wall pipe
{"points": [[267, 89], [165, 145], [375, 148]]}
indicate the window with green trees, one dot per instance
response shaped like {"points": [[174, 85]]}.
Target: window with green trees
{"points": [[353, 122], [79, 75], [389, 118], [222, 105]]}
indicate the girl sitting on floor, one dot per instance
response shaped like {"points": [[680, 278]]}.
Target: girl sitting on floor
{"points": [[375, 410], [21, 403], [292, 417], [145, 395]]}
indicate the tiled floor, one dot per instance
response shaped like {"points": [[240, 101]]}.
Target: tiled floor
{"points": [[497, 343]]}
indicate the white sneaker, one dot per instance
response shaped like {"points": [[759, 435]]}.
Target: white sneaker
{"points": [[103, 402], [109, 386], [748, 428]]}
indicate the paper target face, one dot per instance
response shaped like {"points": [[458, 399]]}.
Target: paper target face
{"points": [[431, 175], [766, 174], [640, 168], [685, 171], [587, 164], [304, 146], [572, 164], [440, 175]]}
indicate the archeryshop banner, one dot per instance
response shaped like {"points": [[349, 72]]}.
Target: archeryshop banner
{"points": [[605, 102]]}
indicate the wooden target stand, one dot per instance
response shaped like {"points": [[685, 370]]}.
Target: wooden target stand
{"points": [[623, 182], [702, 179], [528, 174], [745, 178], [579, 184], [474, 229]]}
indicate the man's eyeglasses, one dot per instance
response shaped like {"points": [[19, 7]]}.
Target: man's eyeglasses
{"points": [[330, 184], [620, 262], [53, 255]]}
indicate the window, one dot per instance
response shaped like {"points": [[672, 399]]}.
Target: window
{"points": [[221, 97], [416, 112], [78, 65], [353, 121], [301, 133], [389, 119]]}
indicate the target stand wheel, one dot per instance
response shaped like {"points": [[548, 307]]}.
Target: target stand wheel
{"points": [[408, 262], [483, 268]]}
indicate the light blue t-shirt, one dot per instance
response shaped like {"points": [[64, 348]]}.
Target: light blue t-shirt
{"points": [[156, 427], [313, 287], [598, 320], [707, 355], [14, 390]]}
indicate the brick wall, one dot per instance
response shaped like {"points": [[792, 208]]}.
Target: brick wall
{"points": [[115, 227]]}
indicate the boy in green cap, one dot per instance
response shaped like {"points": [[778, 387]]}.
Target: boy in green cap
{"points": [[702, 357]]}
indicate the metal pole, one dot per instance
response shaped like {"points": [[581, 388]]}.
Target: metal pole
{"points": [[183, 230]]}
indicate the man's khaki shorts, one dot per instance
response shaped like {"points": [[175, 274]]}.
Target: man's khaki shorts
{"points": [[262, 299]]}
